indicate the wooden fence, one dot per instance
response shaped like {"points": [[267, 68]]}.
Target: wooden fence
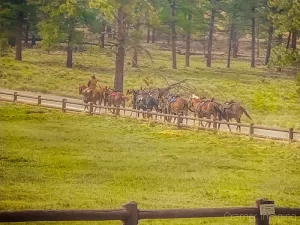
{"points": [[130, 215], [190, 122]]}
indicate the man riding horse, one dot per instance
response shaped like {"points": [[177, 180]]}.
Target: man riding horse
{"points": [[87, 93]]}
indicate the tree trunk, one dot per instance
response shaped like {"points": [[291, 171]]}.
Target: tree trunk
{"points": [[279, 39], [33, 41], [253, 38], [235, 44], [108, 30], [269, 46], [174, 60], [26, 34], [188, 45], [134, 63], [153, 35], [19, 35], [279, 42], [294, 40], [134, 58], [288, 41], [257, 43], [148, 35], [120, 56], [69, 62], [229, 44], [210, 37], [102, 37]]}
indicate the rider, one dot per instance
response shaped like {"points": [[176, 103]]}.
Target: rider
{"points": [[91, 86]]}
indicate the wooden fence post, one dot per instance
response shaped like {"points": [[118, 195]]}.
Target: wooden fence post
{"points": [[291, 134], [215, 124], [133, 218], [91, 109], [63, 105], [264, 211], [15, 96], [178, 120], [251, 130], [39, 100], [118, 110]]}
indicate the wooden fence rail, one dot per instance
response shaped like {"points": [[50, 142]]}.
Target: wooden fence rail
{"points": [[290, 133], [130, 215]]}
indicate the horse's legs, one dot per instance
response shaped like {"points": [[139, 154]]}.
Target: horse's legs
{"points": [[238, 120]]}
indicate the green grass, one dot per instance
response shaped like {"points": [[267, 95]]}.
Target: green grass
{"points": [[51, 160], [269, 97]]}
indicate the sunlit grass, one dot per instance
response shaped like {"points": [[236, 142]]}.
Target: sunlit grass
{"points": [[51, 160]]}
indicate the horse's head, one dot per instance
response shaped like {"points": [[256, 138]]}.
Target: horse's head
{"points": [[81, 88]]}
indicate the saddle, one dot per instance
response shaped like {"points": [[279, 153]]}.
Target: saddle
{"points": [[172, 99], [114, 93]]}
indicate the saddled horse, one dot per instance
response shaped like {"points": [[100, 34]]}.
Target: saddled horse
{"points": [[208, 108], [194, 101], [89, 97], [174, 105], [232, 110], [116, 99], [143, 100]]}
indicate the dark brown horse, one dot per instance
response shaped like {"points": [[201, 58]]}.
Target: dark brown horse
{"points": [[208, 108], [232, 110]]}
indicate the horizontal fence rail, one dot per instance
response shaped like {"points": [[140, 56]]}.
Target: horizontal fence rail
{"points": [[182, 121], [131, 215]]}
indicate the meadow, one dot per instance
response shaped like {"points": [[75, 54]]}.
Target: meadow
{"points": [[51, 160], [270, 97]]}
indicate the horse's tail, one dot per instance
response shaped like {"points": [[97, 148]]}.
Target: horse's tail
{"points": [[244, 110]]}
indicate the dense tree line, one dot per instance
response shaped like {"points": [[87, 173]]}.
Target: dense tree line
{"points": [[124, 22]]}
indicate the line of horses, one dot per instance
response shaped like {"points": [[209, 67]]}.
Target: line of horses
{"points": [[162, 101]]}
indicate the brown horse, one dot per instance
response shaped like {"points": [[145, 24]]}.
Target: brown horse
{"points": [[89, 97], [174, 105], [194, 101], [116, 99], [232, 110], [208, 108]]}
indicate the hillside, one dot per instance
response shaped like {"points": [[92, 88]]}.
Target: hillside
{"points": [[270, 97]]}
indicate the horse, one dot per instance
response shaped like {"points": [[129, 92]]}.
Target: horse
{"points": [[232, 110], [194, 101], [174, 105], [116, 99], [207, 108], [143, 100], [89, 97]]}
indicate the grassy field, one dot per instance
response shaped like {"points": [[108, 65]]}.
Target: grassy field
{"points": [[269, 97], [50, 160]]}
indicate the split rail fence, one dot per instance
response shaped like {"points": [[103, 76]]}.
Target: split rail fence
{"points": [[190, 122], [129, 214]]}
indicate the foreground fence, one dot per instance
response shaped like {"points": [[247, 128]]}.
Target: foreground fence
{"points": [[250, 130], [130, 215]]}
